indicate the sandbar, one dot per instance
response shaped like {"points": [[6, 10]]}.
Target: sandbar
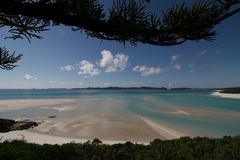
{"points": [[75, 122], [226, 95], [8, 105], [108, 128]]}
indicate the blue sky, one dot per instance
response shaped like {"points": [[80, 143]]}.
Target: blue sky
{"points": [[67, 59]]}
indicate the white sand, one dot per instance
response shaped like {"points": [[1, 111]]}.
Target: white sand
{"points": [[38, 138], [107, 126], [166, 132], [147, 129], [226, 95], [8, 105], [102, 126]]}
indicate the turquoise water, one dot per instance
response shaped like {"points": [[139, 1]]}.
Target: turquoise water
{"points": [[195, 112]]}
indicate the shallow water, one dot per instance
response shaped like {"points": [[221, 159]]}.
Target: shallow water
{"points": [[195, 112]]}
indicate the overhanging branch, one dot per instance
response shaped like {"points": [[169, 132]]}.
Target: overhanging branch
{"points": [[8, 61]]}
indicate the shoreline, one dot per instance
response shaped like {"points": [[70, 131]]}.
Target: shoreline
{"points": [[88, 124], [68, 120], [38, 137], [225, 95]]}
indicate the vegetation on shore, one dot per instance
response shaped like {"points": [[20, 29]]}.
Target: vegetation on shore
{"points": [[235, 90], [226, 148], [7, 125]]}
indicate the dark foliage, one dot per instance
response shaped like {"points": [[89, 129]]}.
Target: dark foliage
{"points": [[126, 21], [226, 148], [7, 60], [235, 90]]}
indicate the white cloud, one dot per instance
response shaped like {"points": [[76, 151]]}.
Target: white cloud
{"points": [[107, 58], [88, 69], [113, 63], [67, 68], [29, 77], [174, 58], [174, 65], [177, 66], [147, 71]]}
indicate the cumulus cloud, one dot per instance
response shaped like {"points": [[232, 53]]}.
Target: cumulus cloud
{"points": [[113, 63], [88, 69], [174, 64], [67, 68], [147, 71], [29, 77], [174, 58], [107, 58]]}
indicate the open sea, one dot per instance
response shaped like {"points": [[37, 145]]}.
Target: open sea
{"points": [[195, 112]]}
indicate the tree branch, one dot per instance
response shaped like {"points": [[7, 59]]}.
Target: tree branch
{"points": [[8, 61], [229, 14], [128, 20]]}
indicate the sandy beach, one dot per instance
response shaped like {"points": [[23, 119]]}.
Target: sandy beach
{"points": [[108, 126], [66, 120], [38, 138], [79, 130], [226, 95]]}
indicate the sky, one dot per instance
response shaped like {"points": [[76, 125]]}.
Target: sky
{"points": [[67, 59]]}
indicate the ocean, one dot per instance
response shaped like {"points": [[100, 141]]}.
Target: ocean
{"points": [[195, 112]]}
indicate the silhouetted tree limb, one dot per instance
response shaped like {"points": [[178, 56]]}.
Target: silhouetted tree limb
{"points": [[7, 60], [22, 26], [126, 21]]}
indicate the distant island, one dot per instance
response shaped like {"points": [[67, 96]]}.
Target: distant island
{"points": [[143, 87], [117, 88], [108, 88], [234, 90]]}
